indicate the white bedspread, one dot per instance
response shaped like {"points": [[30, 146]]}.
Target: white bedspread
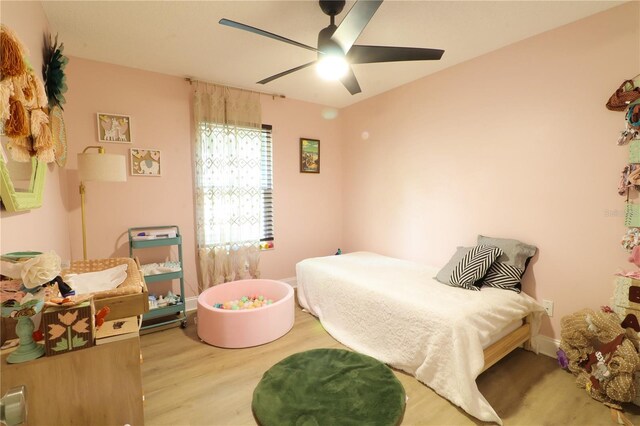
{"points": [[394, 310]]}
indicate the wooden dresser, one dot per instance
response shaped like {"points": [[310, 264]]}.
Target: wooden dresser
{"points": [[101, 385]]}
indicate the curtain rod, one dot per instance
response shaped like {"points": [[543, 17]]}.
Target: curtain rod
{"points": [[273, 95]]}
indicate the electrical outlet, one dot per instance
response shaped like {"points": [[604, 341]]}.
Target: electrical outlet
{"points": [[548, 306]]}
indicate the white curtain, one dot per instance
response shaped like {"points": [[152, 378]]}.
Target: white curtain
{"points": [[227, 128]]}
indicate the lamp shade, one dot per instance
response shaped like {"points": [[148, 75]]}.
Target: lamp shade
{"points": [[102, 167]]}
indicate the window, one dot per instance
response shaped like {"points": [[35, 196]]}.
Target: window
{"points": [[237, 184]]}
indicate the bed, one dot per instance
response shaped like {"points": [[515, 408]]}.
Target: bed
{"points": [[395, 311]]}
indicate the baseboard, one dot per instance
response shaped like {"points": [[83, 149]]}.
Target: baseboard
{"points": [[547, 346], [292, 281], [192, 303]]}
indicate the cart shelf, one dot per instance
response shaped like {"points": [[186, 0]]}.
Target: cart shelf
{"points": [[163, 277], [137, 242]]}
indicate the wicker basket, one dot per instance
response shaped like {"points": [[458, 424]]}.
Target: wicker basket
{"points": [[128, 299]]}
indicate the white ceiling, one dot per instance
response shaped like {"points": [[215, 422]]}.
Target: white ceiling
{"points": [[183, 38]]}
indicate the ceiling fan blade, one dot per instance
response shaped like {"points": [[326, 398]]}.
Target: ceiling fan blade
{"points": [[350, 82], [282, 74], [238, 25], [352, 25], [370, 54]]}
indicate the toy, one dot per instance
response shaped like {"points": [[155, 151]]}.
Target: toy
{"points": [[245, 302], [102, 313]]}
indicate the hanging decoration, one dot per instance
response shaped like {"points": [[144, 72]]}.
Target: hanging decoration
{"points": [[623, 96], [23, 100], [56, 85], [53, 72], [12, 54], [601, 347], [59, 135], [633, 114]]}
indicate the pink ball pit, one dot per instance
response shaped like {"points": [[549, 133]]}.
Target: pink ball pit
{"points": [[248, 327]]}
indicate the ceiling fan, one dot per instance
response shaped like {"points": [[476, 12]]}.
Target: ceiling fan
{"points": [[336, 49]]}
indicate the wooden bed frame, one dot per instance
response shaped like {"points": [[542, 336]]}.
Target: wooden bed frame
{"points": [[508, 343]]}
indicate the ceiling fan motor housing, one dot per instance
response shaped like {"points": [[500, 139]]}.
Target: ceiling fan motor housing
{"points": [[326, 46], [332, 7]]}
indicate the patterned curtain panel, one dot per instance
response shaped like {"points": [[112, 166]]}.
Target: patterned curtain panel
{"points": [[227, 128]]}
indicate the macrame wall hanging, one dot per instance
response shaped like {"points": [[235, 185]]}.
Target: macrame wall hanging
{"points": [[23, 103]]}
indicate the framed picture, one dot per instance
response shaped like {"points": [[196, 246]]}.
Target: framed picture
{"points": [[145, 162], [114, 128], [309, 155]]}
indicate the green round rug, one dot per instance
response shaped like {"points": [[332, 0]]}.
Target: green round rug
{"points": [[328, 387]]}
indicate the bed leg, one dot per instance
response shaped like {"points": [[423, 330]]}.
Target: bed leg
{"points": [[527, 345]]}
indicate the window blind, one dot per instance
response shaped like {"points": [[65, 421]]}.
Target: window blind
{"points": [[267, 184]]}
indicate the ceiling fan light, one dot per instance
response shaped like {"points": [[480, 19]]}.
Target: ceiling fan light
{"points": [[332, 67]]}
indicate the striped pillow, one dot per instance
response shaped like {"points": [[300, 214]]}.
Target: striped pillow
{"points": [[473, 266], [504, 276]]}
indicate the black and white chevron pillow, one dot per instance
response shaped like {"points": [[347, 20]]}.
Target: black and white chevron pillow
{"points": [[473, 266], [504, 276]]}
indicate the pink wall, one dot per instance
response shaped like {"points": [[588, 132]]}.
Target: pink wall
{"points": [[45, 228], [307, 207], [516, 143]]}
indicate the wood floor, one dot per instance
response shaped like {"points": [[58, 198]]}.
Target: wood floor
{"points": [[187, 382]]}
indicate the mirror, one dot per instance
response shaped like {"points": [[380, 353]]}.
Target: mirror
{"points": [[21, 184]]}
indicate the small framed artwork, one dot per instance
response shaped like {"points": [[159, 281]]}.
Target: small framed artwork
{"points": [[114, 128], [309, 155], [145, 162]]}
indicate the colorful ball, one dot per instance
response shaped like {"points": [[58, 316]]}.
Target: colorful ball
{"points": [[245, 302]]}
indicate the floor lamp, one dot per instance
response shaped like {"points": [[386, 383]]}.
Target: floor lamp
{"points": [[98, 166]]}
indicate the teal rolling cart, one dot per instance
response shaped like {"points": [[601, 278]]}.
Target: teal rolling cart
{"points": [[161, 236]]}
